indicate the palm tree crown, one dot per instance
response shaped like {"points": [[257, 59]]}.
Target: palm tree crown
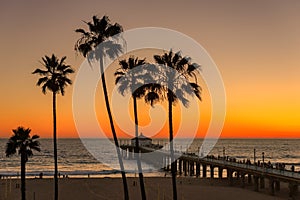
{"points": [[140, 79], [99, 31], [54, 76], [22, 142], [129, 79], [178, 76]]}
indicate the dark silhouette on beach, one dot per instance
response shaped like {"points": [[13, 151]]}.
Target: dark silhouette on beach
{"points": [[54, 77], [130, 80], [95, 44], [22, 142], [178, 78]]}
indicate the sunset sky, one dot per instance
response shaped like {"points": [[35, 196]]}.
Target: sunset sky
{"points": [[255, 44]]}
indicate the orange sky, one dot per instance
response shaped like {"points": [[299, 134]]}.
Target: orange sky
{"points": [[255, 44]]}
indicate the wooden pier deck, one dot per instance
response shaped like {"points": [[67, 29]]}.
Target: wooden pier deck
{"points": [[193, 165]]}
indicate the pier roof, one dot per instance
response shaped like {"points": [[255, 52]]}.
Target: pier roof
{"points": [[142, 137]]}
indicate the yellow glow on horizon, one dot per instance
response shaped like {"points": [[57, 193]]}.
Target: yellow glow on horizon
{"points": [[257, 55]]}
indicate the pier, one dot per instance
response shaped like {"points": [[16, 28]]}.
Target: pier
{"points": [[205, 167]]}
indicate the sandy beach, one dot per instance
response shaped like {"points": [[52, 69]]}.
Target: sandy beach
{"points": [[156, 188]]}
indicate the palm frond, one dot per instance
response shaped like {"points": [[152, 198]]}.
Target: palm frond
{"points": [[62, 60], [34, 137], [102, 24], [175, 59], [152, 98], [119, 73], [11, 148], [113, 49], [68, 71], [80, 30], [180, 96], [35, 145], [42, 80], [141, 62], [113, 30], [124, 64], [44, 88], [118, 79], [139, 92], [40, 71], [123, 87], [197, 90], [158, 59], [84, 48], [28, 153]]}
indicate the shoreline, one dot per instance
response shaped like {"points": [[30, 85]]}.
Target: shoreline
{"points": [[156, 188], [93, 174]]}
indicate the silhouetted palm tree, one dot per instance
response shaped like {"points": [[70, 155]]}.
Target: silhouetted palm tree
{"points": [[99, 33], [54, 77], [130, 80], [24, 144], [177, 77]]}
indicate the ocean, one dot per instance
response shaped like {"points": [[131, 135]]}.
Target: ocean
{"points": [[75, 160]]}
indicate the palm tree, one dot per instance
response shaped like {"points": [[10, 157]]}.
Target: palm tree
{"points": [[178, 78], [54, 77], [131, 81], [100, 31], [24, 144]]}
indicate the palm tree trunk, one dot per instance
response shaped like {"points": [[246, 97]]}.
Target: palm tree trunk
{"points": [[138, 160], [23, 169], [126, 195], [55, 149], [173, 167]]}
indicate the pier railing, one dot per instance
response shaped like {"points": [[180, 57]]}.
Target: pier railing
{"points": [[280, 174]]}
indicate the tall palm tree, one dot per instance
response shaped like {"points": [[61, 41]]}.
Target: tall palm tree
{"points": [[99, 32], [178, 78], [54, 77], [131, 81], [22, 142]]}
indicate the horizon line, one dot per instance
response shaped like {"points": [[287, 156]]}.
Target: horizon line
{"points": [[127, 138]]}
